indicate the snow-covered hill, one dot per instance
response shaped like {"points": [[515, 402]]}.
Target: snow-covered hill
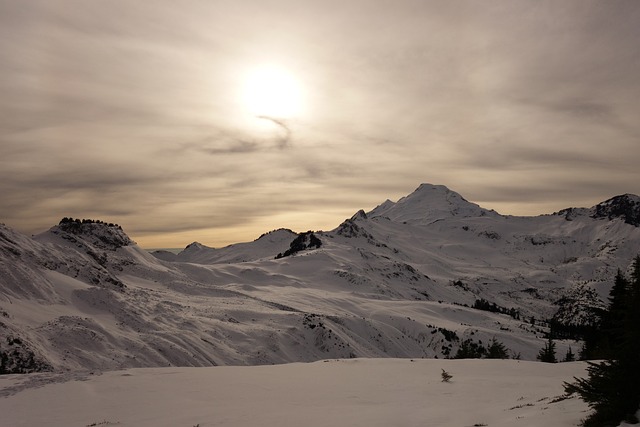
{"points": [[399, 281], [262, 247]]}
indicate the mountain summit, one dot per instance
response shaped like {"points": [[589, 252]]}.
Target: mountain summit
{"points": [[100, 234], [429, 203], [626, 206]]}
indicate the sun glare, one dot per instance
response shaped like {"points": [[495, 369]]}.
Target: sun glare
{"points": [[272, 92]]}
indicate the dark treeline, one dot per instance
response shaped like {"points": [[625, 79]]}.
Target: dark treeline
{"points": [[559, 330], [483, 304], [73, 221]]}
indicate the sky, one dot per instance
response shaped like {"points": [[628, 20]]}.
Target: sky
{"points": [[139, 112]]}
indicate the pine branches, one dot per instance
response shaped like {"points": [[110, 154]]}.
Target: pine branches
{"points": [[611, 388], [548, 352]]}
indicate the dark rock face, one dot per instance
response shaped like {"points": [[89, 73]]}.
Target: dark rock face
{"points": [[304, 241], [349, 228], [626, 207], [17, 357], [101, 234]]}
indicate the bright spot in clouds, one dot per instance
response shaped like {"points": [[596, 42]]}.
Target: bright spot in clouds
{"points": [[272, 92]]}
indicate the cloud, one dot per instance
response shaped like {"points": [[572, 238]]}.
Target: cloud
{"points": [[226, 145], [131, 110], [285, 139], [220, 142]]}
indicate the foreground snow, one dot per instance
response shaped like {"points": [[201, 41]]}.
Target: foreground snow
{"points": [[357, 392]]}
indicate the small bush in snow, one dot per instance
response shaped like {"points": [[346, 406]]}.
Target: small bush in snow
{"points": [[446, 376]]}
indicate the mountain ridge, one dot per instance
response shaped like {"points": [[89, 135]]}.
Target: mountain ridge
{"points": [[384, 283]]}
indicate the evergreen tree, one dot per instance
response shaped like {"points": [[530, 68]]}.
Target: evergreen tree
{"points": [[613, 322], [619, 292], [470, 350], [602, 393], [584, 351], [601, 341], [629, 352], [569, 357], [497, 350], [611, 388], [548, 352]]}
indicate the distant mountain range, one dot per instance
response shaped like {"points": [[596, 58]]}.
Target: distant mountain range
{"points": [[413, 278]]}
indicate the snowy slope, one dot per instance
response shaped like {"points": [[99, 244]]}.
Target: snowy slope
{"points": [[360, 392], [264, 246], [398, 281]]}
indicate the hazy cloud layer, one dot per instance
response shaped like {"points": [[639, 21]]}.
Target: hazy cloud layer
{"points": [[131, 111]]}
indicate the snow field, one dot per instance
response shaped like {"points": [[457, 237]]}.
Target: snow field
{"points": [[356, 392]]}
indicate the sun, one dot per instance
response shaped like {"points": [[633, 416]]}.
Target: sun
{"points": [[273, 92]]}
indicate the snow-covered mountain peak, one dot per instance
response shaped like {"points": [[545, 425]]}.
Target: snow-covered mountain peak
{"points": [[195, 246], [625, 206], [429, 203], [266, 246], [360, 214], [278, 235]]}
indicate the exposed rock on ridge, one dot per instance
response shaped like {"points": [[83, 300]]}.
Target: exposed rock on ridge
{"points": [[626, 206]]}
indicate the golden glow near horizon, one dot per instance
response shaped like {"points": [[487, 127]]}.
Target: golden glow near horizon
{"points": [[272, 92], [326, 220], [218, 121]]}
